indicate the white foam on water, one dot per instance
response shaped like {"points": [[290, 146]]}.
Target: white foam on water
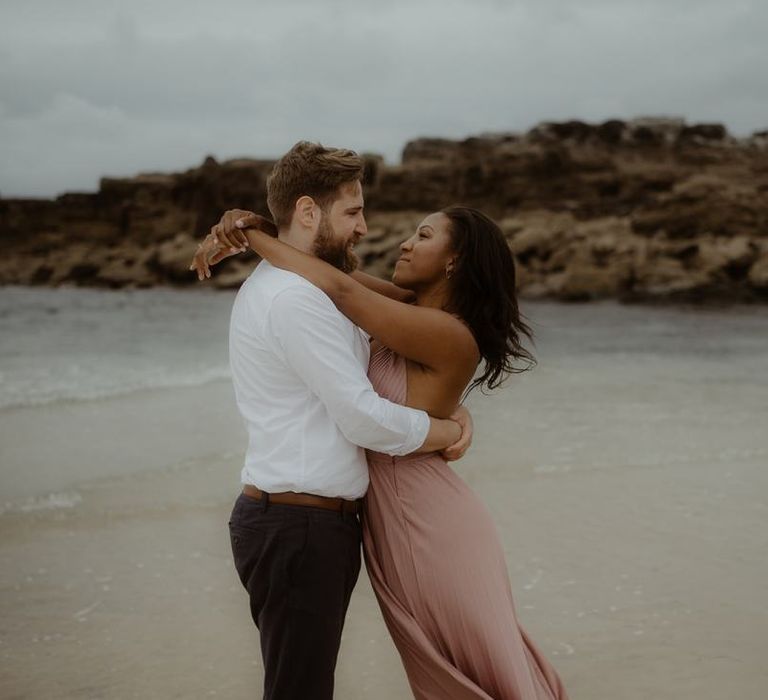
{"points": [[51, 501], [68, 388]]}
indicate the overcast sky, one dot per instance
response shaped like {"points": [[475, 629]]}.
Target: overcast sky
{"points": [[91, 87]]}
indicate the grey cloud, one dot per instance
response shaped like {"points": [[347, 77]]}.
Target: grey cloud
{"points": [[91, 88]]}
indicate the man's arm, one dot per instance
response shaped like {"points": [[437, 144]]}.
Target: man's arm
{"points": [[443, 433], [310, 334]]}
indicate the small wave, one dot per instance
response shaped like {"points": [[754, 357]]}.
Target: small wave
{"points": [[69, 393], [51, 501]]}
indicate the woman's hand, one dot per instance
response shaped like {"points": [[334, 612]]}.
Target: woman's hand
{"points": [[230, 230], [456, 451], [227, 239], [208, 253]]}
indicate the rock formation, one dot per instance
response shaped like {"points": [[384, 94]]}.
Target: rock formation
{"points": [[645, 210]]}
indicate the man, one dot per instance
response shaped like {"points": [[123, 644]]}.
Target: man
{"points": [[299, 371]]}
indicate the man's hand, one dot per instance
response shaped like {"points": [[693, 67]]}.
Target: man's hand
{"points": [[456, 451], [227, 239]]}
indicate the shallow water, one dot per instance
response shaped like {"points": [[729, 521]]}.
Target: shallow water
{"points": [[614, 385], [58, 344], [79, 343]]}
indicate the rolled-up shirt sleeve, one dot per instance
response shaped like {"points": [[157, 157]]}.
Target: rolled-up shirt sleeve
{"points": [[313, 338]]}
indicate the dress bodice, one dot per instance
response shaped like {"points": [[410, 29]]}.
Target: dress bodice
{"points": [[387, 372]]}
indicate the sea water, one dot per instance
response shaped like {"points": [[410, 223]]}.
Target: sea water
{"points": [[615, 385]]}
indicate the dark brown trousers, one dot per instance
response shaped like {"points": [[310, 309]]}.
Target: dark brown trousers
{"points": [[299, 566]]}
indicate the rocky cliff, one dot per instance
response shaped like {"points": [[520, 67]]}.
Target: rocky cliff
{"points": [[646, 210]]}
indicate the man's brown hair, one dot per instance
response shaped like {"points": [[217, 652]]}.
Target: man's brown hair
{"points": [[313, 170]]}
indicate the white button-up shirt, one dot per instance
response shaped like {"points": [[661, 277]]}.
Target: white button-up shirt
{"points": [[299, 370]]}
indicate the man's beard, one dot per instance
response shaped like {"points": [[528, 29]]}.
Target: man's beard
{"points": [[333, 250]]}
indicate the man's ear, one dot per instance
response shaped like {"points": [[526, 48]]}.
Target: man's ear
{"points": [[305, 211]]}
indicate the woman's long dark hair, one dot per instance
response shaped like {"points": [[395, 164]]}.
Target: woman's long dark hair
{"points": [[483, 294]]}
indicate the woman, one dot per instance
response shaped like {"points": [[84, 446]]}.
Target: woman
{"points": [[431, 549]]}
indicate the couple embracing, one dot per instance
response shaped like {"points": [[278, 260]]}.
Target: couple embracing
{"points": [[350, 389]]}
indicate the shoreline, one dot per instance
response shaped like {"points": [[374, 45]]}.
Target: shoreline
{"points": [[686, 300], [176, 420]]}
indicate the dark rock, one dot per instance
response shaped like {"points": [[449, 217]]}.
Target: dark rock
{"points": [[649, 209], [704, 132], [83, 272], [611, 131]]}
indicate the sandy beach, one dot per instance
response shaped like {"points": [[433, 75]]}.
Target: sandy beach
{"points": [[626, 475]]}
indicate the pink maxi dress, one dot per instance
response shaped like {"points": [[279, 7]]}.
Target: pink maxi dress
{"points": [[437, 567]]}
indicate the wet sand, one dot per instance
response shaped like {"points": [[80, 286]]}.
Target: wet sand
{"points": [[631, 504]]}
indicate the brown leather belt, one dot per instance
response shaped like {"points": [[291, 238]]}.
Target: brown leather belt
{"points": [[290, 498]]}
